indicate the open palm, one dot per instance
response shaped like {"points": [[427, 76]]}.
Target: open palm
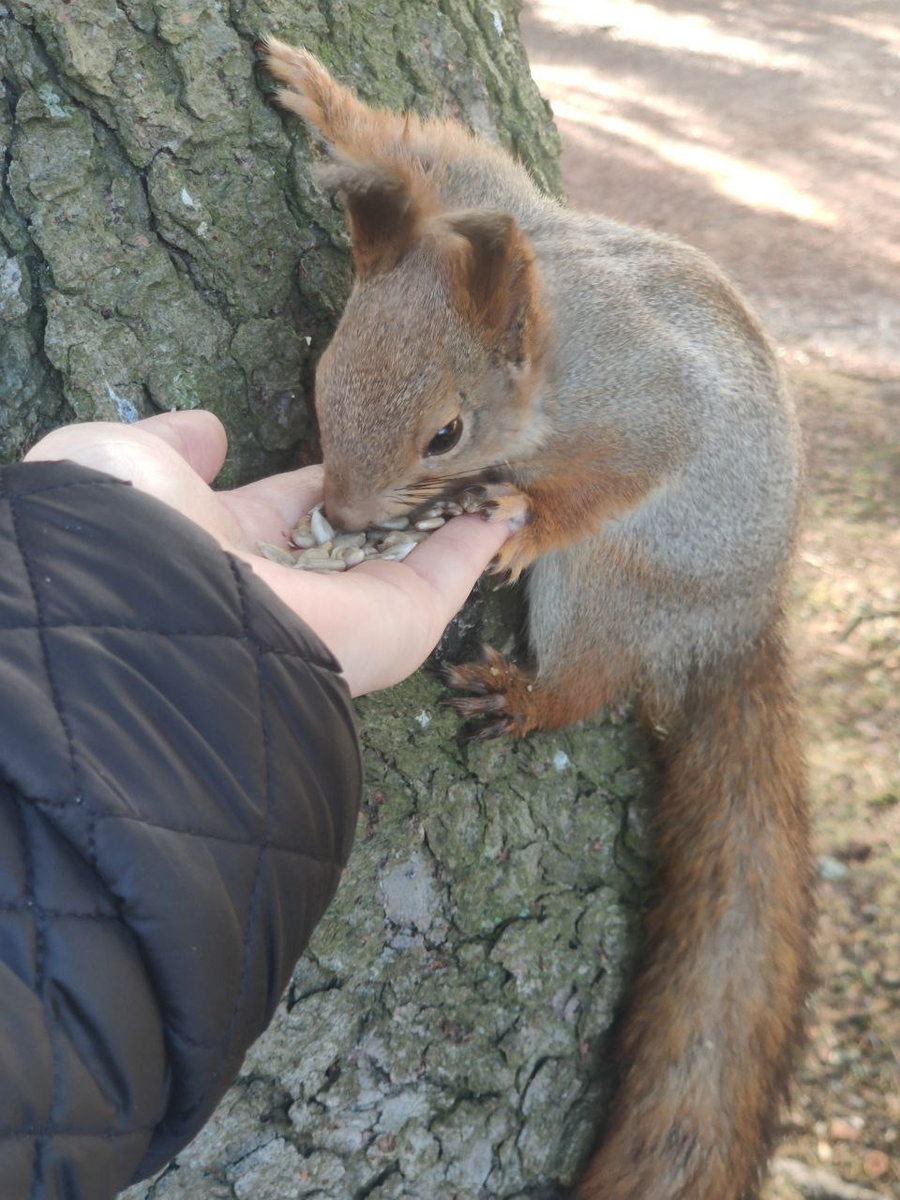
{"points": [[381, 620]]}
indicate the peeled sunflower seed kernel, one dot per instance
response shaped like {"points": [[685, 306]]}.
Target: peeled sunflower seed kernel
{"points": [[430, 523], [353, 556], [322, 529], [394, 523], [324, 564], [399, 552], [343, 540], [303, 541], [276, 554]]}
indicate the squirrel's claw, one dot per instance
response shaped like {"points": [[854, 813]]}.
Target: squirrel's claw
{"points": [[503, 703], [498, 502], [513, 557]]}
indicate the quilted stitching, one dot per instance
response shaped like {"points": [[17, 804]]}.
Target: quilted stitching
{"points": [[84, 824], [40, 918]]}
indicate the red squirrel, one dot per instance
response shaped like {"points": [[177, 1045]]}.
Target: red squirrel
{"points": [[614, 377]]}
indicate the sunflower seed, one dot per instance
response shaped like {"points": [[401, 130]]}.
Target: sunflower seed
{"points": [[395, 538], [324, 564], [430, 523], [318, 554], [344, 540], [322, 529], [399, 552], [276, 554]]}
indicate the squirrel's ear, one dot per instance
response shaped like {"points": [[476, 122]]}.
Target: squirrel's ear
{"points": [[383, 213], [494, 280]]}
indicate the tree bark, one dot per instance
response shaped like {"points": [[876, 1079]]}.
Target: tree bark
{"points": [[162, 245], [445, 1036]]}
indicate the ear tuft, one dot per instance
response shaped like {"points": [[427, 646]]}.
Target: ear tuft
{"points": [[494, 280], [384, 212]]}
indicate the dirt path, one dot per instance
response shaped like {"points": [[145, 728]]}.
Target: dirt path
{"points": [[768, 135]]}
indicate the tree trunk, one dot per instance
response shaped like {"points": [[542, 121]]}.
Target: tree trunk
{"points": [[162, 243], [162, 246]]}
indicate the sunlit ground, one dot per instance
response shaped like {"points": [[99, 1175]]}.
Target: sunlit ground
{"points": [[749, 121], [768, 134]]}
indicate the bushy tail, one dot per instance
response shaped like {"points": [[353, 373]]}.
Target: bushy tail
{"points": [[393, 140], [706, 1043]]}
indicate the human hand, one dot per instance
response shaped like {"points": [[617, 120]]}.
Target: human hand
{"points": [[381, 620]]}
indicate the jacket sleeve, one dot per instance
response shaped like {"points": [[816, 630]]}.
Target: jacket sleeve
{"points": [[179, 783]]}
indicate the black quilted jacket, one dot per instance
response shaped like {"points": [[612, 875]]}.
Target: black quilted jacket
{"points": [[179, 782]]}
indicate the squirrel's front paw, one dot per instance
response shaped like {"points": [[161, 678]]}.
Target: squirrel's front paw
{"points": [[498, 502], [504, 502], [504, 700]]}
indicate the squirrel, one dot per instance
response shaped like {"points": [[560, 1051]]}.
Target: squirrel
{"points": [[497, 342]]}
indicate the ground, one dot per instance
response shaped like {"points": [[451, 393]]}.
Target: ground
{"points": [[766, 135]]}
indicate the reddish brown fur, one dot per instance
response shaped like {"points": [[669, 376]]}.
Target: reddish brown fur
{"points": [[493, 281], [356, 130], [570, 498], [731, 837], [509, 701], [384, 214]]}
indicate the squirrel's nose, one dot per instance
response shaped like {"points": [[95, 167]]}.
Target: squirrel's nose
{"points": [[353, 512], [344, 514]]}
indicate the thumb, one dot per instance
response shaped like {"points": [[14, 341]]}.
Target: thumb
{"points": [[197, 435], [453, 558]]}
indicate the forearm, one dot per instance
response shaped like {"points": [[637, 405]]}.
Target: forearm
{"points": [[179, 781]]}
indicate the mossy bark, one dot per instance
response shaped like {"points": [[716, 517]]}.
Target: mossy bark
{"points": [[162, 246], [445, 1036], [161, 243]]}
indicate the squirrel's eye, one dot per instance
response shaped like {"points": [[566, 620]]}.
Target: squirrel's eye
{"points": [[445, 438]]}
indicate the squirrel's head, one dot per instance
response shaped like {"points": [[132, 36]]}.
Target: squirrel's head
{"points": [[431, 378]]}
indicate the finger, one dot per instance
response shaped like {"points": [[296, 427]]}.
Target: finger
{"points": [[376, 619], [453, 558], [148, 461], [290, 494], [198, 436], [71, 441], [383, 618]]}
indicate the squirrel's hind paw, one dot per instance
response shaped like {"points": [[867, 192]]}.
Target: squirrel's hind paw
{"points": [[503, 704]]}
